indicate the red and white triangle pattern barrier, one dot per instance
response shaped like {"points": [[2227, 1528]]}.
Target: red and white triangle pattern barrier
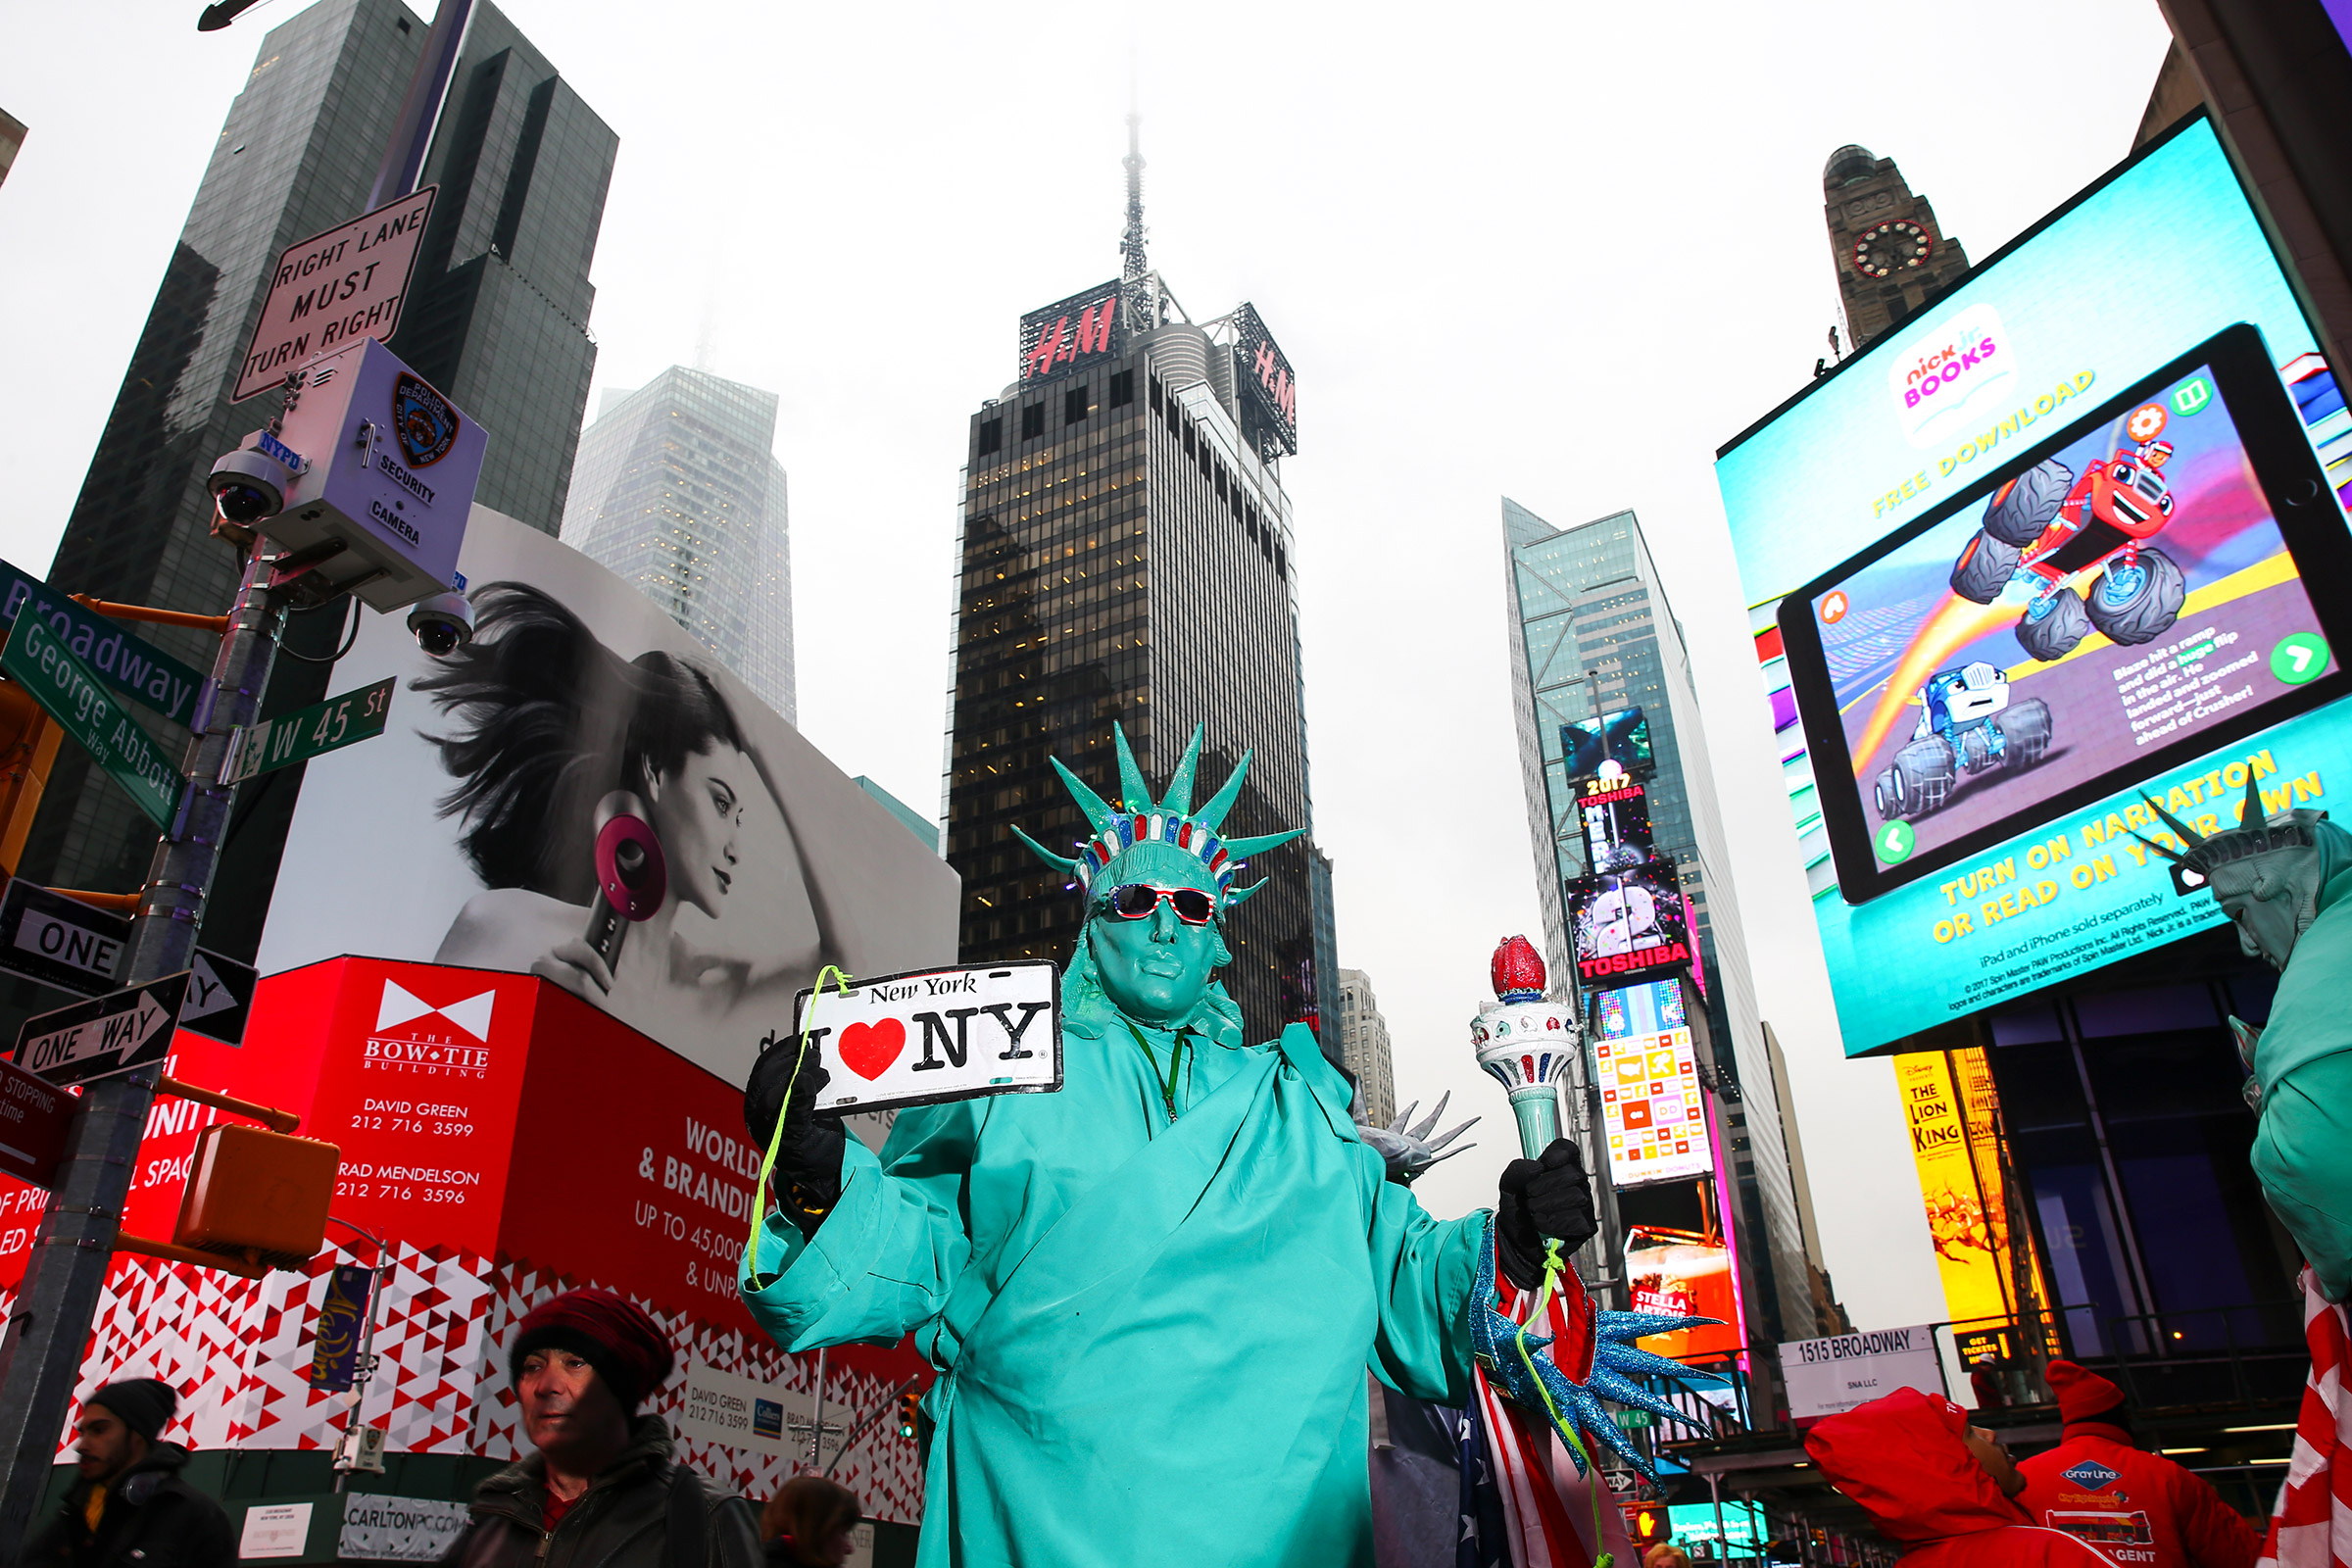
{"points": [[239, 1351]]}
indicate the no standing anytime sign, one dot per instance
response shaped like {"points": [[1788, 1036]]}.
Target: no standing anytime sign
{"points": [[334, 288]]}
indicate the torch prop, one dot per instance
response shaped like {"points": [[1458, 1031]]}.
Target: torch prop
{"points": [[1525, 1043], [1549, 1350]]}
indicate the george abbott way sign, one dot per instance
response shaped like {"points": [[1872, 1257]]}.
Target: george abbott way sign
{"points": [[68, 690], [334, 289], [1830, 1376]]}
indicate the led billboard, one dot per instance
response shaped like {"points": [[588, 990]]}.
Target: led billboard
{"points": [[1615, 815], [1621, 737], [1651, 1108], [1073, 333], [1689, 1275], [2035, 551], [1628, 924]]}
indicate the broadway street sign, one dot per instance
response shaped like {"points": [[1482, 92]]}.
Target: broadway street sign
{"points": [[125, 660], [334, 289], [307, 732], [105, 1035], [70, 689]]}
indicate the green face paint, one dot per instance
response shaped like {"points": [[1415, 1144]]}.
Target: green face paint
{"points": [[1156, 968]]}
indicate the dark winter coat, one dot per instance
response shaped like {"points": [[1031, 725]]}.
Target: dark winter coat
{"points": [[153, 1519], [621, 1521]]}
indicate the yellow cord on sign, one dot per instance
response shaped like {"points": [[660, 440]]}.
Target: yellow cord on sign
{"points": [[775, 1139], [1553, 1265]]}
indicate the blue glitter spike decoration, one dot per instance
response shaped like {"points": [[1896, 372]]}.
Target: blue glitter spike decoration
{"points": [[1494, 1340]]}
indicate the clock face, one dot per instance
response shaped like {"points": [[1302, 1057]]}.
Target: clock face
{"points": [[1890, 248]]}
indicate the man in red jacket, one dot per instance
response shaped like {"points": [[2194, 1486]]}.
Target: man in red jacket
{"points": [[2139, 1507], [1938, 1486]]}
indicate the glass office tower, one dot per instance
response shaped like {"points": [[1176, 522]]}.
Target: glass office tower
{"points": [[495, 318], [1125, 556], [678, 490], [1588, 617]]}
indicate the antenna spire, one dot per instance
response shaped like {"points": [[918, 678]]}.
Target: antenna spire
{"points": [[1133, 265]]}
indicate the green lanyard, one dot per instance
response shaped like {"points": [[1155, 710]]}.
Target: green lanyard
{"points": [[1176, 1055]]}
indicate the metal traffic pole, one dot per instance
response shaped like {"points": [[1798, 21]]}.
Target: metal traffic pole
{"points": [[48, 1325], [49, 1320]]}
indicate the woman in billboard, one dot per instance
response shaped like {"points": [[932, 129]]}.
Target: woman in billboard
{"points": [[549, 723]]}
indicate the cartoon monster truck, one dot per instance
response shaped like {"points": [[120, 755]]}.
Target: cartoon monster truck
{"points": [[1967, 724], [2047, 523]]}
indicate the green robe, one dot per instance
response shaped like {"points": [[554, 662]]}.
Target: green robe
{"points": [[2303, 1146], [1151, 1335]]}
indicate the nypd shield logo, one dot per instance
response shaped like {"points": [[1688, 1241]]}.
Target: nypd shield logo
{"points": [[427, 426], [2090, 1475]]}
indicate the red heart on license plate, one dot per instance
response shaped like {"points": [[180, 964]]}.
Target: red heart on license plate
{"points": [[868, 1048]]}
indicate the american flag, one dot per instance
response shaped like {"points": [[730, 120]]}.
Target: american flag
{"points": [[2312, 1525]]}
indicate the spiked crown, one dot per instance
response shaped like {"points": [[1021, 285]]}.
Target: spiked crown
{"points": [[1139, 819], [2255, 834]]}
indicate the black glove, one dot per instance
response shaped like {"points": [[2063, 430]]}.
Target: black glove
{"points": [[808, 1160], [1546, 1198]]}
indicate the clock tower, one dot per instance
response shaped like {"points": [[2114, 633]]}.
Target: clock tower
{"points": [[1892, 256]]}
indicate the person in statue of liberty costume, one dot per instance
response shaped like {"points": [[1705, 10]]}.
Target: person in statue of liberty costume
{"points": [[2286, 882], [1153, 1296]]}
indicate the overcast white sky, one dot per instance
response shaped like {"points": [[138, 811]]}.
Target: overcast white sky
{"points": [[1553, 251]]}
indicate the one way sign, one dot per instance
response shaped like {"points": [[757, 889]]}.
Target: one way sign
{"points": [[219, 996], [104, 1036]]}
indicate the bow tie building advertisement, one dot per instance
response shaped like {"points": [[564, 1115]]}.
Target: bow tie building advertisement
{"points": [[582, 875]]}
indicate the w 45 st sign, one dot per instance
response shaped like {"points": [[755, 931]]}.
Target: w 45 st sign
{"points": [[307, 732]]}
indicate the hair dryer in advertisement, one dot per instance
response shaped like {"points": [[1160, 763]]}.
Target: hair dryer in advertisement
{"points": [[631, 876]]}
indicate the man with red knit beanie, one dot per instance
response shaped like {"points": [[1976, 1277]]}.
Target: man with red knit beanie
{"points": [[2139, 1507], [602, 1487], [1936, 1485]]}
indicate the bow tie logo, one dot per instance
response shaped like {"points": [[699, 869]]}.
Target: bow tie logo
{"points": [[399, 1006]]}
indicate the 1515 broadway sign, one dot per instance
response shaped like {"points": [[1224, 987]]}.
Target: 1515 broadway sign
{"points": [[1828, 1376]]}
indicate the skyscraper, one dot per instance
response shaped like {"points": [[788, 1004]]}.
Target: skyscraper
{"points": [[677, 489], [1364, 1046], [1891, 254], [495, 318], [1589, 618], [1125, 554]]}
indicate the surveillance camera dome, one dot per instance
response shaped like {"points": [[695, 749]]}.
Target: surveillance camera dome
{"points": [[249, 486], [442, 624]]}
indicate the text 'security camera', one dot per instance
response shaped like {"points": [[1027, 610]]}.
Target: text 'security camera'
{"points": [[443, 624], [249, 485]]}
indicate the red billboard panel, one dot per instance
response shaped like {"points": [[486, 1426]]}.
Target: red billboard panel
{"points": [[507, 1141]]}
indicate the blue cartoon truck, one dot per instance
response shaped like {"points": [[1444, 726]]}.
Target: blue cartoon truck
{"points": [[1967, 726]]}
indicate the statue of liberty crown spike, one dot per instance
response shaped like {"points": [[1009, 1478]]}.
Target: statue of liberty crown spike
{"points": [[1139, 819]]}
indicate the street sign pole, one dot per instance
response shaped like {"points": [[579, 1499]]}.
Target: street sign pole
{"points": [[48, 1323]]}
